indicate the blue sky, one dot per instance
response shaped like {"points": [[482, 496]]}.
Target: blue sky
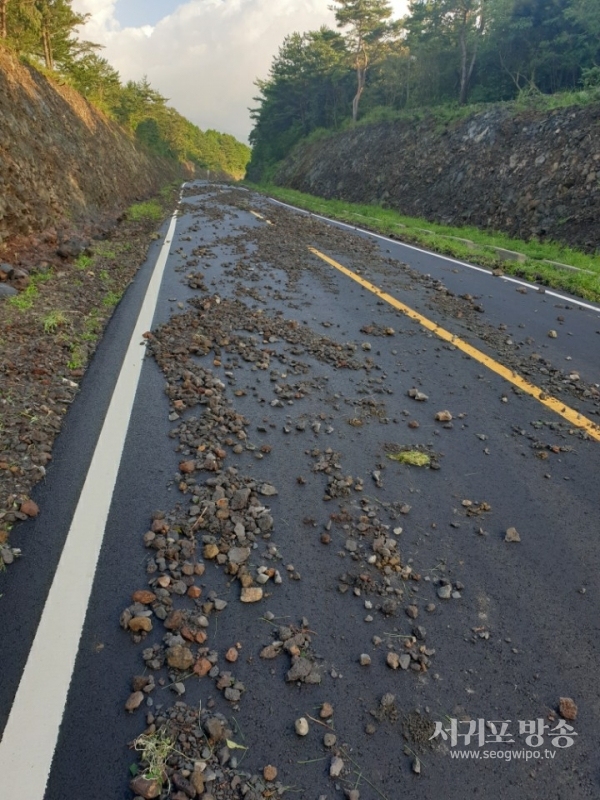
{"points": [[135, 13]]}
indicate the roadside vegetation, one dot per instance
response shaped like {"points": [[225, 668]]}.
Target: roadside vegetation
{"points": [[43, 34], [445, 58], [50, 331], [573, 271]]}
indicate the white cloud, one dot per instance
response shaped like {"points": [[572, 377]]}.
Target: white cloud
{"points": [[206, 55]]}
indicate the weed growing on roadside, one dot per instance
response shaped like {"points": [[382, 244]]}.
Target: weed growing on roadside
{"points": [[111, 299], [150, 210], [78, 356], [105, 250], [24, 301], [83, 261], [155, 749], [54, 320]]}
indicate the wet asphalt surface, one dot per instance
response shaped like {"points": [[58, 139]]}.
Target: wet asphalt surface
{"points": [[524, 631]]}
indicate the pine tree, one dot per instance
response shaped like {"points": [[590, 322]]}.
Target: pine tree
{"points": [[367, 22]]}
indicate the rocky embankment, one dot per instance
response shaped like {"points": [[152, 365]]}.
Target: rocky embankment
{"points": [[63, 162], [532, 174]]}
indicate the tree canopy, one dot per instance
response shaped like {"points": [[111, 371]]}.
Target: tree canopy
{"points": [[442, 52]]}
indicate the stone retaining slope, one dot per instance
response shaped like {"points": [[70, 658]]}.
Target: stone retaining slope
{"points": [[530, 173]]}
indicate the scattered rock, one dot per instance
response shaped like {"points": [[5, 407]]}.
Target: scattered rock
{"points": [[567, 708], [30, 508], [144, 597], [134, 701], [301, 726], [392, 660], [270, 772], [210, 551], [512, 535], [143, 787], [251, 594], [404, 661], [7, 291], [139, 624], [180, 657], [336, 767]]}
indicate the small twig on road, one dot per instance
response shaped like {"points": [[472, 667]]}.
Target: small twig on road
{"points": [[198, 522], [361, 776], [319, 722]]}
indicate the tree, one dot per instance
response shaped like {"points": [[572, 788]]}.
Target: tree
{"points": [[368, 26], [94, 77], [308, 86], [586, 15], [470, 21], [3, 10], [453, 27], [23, 26], [58, 22]]}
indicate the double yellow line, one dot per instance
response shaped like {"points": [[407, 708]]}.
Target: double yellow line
{"points": [[570, 414]]}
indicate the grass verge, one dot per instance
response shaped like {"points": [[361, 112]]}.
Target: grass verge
{"points": [[467, 243], [150, 210]]}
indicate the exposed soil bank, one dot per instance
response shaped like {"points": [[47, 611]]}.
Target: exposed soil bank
{"points": [[62, 162]]}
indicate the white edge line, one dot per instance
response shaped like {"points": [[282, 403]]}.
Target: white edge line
{"points": [[566, 298], [31, 733]]}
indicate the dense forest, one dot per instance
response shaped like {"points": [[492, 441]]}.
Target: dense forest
{"points": [[44, 33], [443, 52]]}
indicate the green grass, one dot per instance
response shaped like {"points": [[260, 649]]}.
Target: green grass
{"points": [[111, 299], [25, 300], [83, 261], [105, 250], [54, 320], [150, 210], [479, 249], [167, 192], [78, 357], [447, 113]]}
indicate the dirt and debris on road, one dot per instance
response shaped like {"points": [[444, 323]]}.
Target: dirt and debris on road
{"points": [[330, 600], [286, 503]]}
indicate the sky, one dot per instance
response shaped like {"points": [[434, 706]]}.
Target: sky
{"points": [[204, 55]]}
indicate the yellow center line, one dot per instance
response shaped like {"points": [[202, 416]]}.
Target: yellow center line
{"points": [[260, 216], [570, 414]]}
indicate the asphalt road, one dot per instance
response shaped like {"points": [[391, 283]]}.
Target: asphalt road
{"points": [[522, 631]]}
